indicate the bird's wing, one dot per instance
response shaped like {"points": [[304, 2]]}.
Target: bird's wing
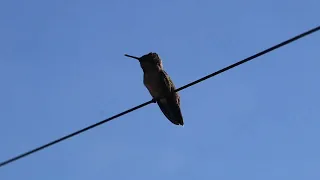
{"points": [[170, 106], [167, 81]]}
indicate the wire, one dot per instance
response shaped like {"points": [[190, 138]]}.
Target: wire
{"points": [[251, 57], [146, 103]]}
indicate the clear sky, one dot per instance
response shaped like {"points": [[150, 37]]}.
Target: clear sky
{"points": [[62, 68]]}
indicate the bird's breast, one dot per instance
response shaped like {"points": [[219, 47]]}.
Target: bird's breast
{"points": [[152, 81]]}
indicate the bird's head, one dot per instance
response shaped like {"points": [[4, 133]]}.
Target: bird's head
{"points": [[149, 62]]}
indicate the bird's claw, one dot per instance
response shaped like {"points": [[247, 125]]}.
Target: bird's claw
{"points": [[154, 100]]}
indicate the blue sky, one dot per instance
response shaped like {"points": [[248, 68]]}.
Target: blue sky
{"points": [[62, 68]]}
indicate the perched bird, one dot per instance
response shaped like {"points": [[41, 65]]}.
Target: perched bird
{"points": [[159, 84]]}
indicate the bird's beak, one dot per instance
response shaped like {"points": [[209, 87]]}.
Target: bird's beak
{"points": [[132, 57]]}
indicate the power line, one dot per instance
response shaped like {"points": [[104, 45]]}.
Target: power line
{"points": [[251, 57], [146, 103]]}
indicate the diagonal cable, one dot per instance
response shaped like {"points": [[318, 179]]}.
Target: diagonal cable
{"points": [[148, 102]]}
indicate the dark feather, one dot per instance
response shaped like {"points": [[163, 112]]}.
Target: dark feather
{"points": [[170, 105]]}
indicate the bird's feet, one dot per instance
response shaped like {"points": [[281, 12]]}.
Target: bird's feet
{"points": [[154, 100]]}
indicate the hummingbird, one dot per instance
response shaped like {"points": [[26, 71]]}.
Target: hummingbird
{"points": [[159, 85]]}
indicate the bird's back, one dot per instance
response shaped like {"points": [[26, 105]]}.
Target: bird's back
{"points": [[159, 84]]}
